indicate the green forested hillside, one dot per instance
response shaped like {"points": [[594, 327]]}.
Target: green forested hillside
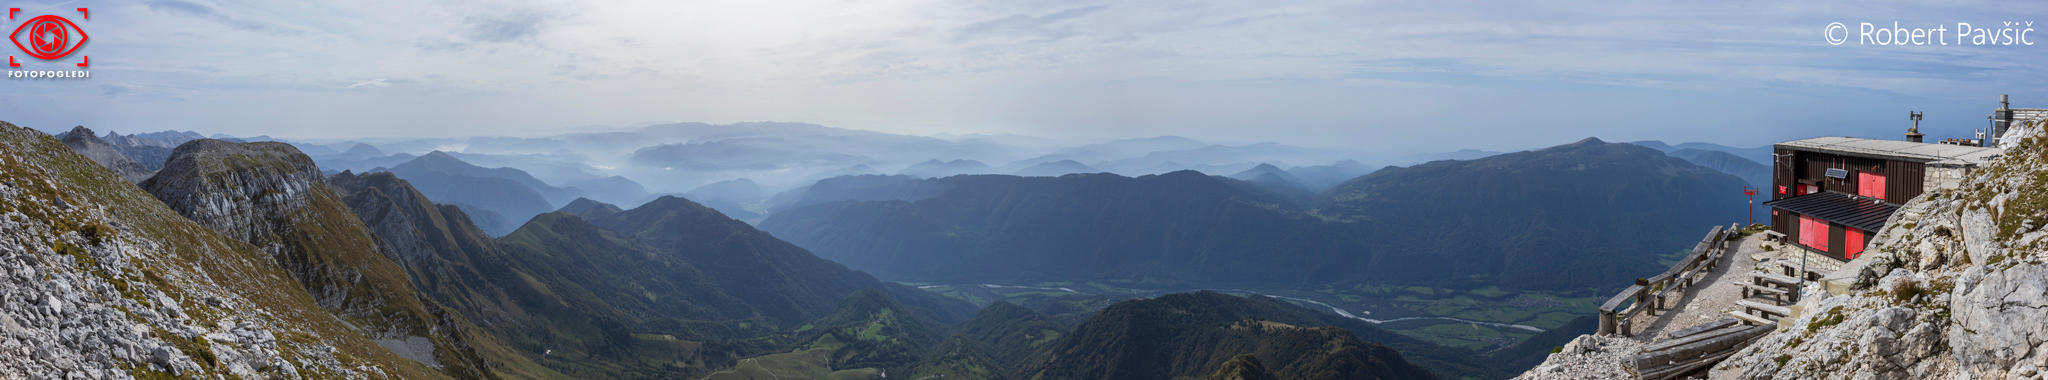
{"points": [[1603, 210]]}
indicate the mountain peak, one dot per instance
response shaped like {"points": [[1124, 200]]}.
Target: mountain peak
{"points": [[1589, 141], [589, 209], [79, 131], [364, 150]]}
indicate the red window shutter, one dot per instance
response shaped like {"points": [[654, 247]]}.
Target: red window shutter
{"points": [[1813, 232], [1870, 185], [1854, 238], [1805, 230]]}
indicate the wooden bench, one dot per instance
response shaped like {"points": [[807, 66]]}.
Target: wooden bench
{"points": [[1773, 279], [1770, 235], [1753, 289]]}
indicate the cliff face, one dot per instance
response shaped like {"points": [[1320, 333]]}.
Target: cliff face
{"points": [[99, 280], [1958, 288]]}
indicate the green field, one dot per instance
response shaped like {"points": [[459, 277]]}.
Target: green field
{"points": [[814, 362], [1543, 310]]}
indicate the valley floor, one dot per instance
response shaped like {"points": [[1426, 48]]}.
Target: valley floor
{"points": [[1481, 320]]}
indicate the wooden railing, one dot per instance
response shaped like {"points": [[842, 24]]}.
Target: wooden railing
{"points": [[1651, 295]]}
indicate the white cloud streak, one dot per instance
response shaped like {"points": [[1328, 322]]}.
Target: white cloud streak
{"points": [[1368, 72]]}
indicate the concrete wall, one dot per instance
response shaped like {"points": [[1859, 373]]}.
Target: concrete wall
{"points": [[1945, 177]]}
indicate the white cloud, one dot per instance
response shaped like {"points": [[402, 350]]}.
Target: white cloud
{"points": [[1323, 71], [372, 83]]}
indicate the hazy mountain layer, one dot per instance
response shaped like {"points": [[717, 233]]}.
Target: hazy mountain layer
{"points": [[504, 192], [1605, 210]]}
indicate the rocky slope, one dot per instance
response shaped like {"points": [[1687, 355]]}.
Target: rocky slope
{"points": [[84, 142], [1956, 286], [270, 195], [99, 280]]}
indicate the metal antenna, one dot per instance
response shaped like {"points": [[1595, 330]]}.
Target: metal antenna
{"points": [[1914, 134]]}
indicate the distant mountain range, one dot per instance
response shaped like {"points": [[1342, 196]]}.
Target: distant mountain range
{"points": [[630, 166], [1606, 210], [1753, 165], [1757, 175], [84, 142], [935, 168], [242, 259], [1272, 178], [1055, 169], [502, 198]]}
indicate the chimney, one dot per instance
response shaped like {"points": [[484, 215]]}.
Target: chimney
{"points": [[2001, 119], [1914, 135]]}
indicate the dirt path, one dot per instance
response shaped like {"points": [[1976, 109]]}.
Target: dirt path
{"points": [[1709, 302]]}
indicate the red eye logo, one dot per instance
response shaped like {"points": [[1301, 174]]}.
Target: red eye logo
{"points": [[47, 36]]}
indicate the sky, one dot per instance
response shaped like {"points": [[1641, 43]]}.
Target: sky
{"points": [[1396, 75]]}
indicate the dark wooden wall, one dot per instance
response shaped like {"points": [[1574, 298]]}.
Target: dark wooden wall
{"points": [[1903, 179]]}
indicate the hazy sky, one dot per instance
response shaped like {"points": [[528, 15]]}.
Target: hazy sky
{"points": [[1495, 75]]}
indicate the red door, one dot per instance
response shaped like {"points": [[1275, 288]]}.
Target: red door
{"points": [[1854, 239]]}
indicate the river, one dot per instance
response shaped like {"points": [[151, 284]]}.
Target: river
{"points": [[1334, 309]]}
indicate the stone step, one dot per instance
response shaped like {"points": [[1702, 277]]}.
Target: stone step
{"points": [[1760, 321]]}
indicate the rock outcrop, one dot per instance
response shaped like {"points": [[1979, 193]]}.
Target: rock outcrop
{"points": [[1588, 357], [272, 196], [81, 140], [98, 280]]}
